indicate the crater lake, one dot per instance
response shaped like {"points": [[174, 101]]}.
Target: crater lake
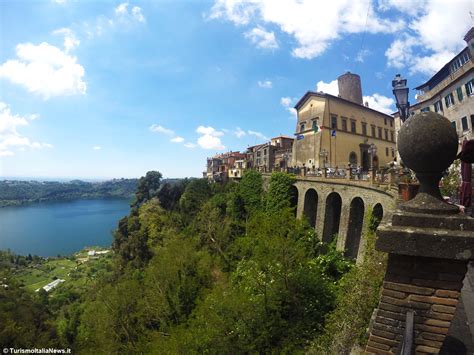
{"points": [[49, 229]]}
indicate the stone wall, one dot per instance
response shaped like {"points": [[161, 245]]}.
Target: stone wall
{"points": [[429, 286]]}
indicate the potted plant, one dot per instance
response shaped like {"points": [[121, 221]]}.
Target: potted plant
{"points": [[408, 185]]}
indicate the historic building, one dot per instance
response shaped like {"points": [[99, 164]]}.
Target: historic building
{"points": [[219, 166], [270, 156], [333, 131], [450, 92]]}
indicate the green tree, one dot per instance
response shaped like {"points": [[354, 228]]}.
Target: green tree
{"points": [[279, 191], [196, 193]]}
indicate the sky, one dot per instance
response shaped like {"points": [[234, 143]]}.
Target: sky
{"points": [[110, 89]]}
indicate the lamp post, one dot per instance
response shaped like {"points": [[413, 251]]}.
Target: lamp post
{"points": [[372, 152], [400, 90], [323, 154]]}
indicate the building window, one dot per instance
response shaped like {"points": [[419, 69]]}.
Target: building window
{"points": [[393, 153], [264, 152], [302, 127], [391, 123], [472, 122], [372, 128], [385, 121], [453, 123], [364, 128], [353, 126], [386, 151], [380, 132], [449, 100], [464, 124], [333, 122], [386, 134], [470, 88], [344, 124], [459, 92], [391, 136], [459, 61], [425, 109], [438, 106]]}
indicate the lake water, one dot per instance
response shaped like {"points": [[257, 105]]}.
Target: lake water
{"points": [[48, 229]]}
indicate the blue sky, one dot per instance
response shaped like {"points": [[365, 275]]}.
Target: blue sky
{"points": [[114, 89]]}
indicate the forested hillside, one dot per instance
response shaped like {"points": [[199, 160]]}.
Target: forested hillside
{"points": [[14, 192], [201, 268]]}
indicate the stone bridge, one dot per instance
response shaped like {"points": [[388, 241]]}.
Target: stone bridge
{"points": [[339, 207]]}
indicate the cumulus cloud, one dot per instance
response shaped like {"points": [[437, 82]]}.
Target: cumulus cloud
{"points": [[97, 147], [328, 88], [380, 103], [262, 38], [209, 138], [287, 103], [239, 132], [160, 129], [266, 84], [123, 13], [190, 145], [10, 138], [431, 38], [314, 25], [45, 70], [70, 39], [258, 135], [177, 139]]}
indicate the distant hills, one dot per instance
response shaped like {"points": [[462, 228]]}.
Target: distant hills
{"points": [[16, 193]]}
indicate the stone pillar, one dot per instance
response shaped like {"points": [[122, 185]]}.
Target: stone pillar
{"points": [[348, 173], [429, 245]]}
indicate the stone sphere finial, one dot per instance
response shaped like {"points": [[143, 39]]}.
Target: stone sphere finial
{"points": [[428, 144]]}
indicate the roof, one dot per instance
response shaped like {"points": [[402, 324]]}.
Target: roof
{"points": [[329, 96], [442, 73], [286, 137]]}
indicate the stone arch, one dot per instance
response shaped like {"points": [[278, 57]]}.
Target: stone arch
{"points": [[311, 206], [294, 198], [377, 215], [332, 216], [353, 158], [354, 227]]}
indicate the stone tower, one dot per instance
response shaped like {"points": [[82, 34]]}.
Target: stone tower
{"points": [[350, 87]]}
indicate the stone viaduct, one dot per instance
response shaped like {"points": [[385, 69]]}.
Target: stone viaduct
{"points": [[339, 207]]}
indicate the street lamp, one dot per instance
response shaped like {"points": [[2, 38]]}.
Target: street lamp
{"points": [[323, 154], [400, 90], [372, 152]]}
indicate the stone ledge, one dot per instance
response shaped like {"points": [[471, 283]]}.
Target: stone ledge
{"points": [[457, 222], [426, 242]]}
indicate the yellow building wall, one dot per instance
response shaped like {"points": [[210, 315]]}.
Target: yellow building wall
{"points": [[307, 150]]}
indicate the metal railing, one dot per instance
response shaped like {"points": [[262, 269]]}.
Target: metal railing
{"points": [[406, 345]]}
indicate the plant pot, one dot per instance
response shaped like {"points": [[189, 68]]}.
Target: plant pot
{"points": [[407, 190]]}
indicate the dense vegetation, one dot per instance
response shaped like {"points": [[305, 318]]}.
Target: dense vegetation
{"points": [[14, 193], [199, 268]]}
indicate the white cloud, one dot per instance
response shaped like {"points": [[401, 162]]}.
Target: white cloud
{"points": [[177, 139], [380, 103], [122, 14], [328, 88], [286, 102], [266, 84], [10, 138], [45, 70], [258, 135], [209, 131], [209, 138], [61, 2], [70, 40], [190, 145], [433, 36], [97, 147], [160, 129], [314, 25], [239, 132], [262, 38], [361, 55]]}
